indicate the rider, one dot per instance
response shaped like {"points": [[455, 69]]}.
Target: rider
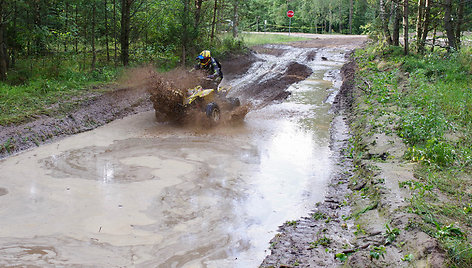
{"points": [[211, 65]]}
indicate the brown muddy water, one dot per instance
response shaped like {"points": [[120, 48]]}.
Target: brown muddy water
{"points": [[140, 193]]}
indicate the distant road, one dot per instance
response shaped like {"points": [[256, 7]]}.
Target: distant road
{"points": [[310, 35]]}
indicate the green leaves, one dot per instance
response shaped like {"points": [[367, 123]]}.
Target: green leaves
{"points": [[391, 234], [377, 252], [341, 256], [449, 231]]}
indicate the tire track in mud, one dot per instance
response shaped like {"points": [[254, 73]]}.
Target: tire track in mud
{"points": [[275, 69]]}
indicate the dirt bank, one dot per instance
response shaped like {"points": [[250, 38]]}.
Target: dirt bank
{"points": [[364, 220], [90, 112], [275, 88]]}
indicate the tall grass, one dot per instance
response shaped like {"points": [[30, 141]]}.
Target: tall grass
{"points": [[36, 84]]}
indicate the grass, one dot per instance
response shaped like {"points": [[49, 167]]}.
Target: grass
{"points": [[28, 94], [251, 39], [430, 97]]}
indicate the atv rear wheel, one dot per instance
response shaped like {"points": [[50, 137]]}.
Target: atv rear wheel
{"points": [[213, 112]]}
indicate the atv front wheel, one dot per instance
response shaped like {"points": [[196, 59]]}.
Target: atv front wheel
{"points": [[213, 112]]}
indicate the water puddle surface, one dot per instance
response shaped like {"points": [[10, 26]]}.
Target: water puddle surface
{"points": [[139, 193]]}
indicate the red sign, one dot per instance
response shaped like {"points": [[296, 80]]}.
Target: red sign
{"points": [[290, 13]]}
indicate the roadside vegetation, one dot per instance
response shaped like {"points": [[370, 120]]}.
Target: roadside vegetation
{"points": [[426, 100]]}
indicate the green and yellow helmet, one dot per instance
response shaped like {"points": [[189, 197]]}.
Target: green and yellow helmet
{"points": [[204, 57]]}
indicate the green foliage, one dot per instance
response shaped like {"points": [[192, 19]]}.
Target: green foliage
{"points": [[448, 231], [429, 98], [227, 45], [416, 127], [356, 214], [324, 241], [341, 256], [47, 84], [377, 252], [391, 234], [359, 230], [408, 257], [261, 39], [319, 216]]}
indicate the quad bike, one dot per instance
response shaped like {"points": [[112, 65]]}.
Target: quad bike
{"points": [[174, 106]]}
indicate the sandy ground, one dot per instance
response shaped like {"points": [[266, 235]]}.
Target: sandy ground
{"points": [[319, 239]]}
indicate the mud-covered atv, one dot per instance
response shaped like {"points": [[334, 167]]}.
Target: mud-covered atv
{"points": [[174, 106]]}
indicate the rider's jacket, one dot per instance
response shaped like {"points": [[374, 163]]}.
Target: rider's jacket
{"points": [[213, 68]]}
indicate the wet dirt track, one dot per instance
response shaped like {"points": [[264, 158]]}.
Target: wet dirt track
{"points": [[139, 193]]}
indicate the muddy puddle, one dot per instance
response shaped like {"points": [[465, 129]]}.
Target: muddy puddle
{"points": [[137, 192]]}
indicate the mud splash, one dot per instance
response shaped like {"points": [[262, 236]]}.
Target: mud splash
{"points": [[169, 90]]}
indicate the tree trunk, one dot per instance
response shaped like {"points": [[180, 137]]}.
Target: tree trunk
{"points": [[219, 15], [114, 31], [235, 19], [419, 25], [106, 31], [213, 22], [405, 26], [384, 19], [427, 21], [460, 21], [185, 32], [76, 25], [13, 50], [198, 12], [125, 29], [66, 28], [37, 22], [84, 63], [330, 29], [351, 10], [94, 53], [434, 38], [396, 23], [3, 56], [451, 38]]}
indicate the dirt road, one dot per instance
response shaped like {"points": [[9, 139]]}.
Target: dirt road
{"points": [[136, 192]]}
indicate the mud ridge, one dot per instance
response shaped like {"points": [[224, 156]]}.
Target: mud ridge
{"points": [[275, 89], [90, 113]]}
